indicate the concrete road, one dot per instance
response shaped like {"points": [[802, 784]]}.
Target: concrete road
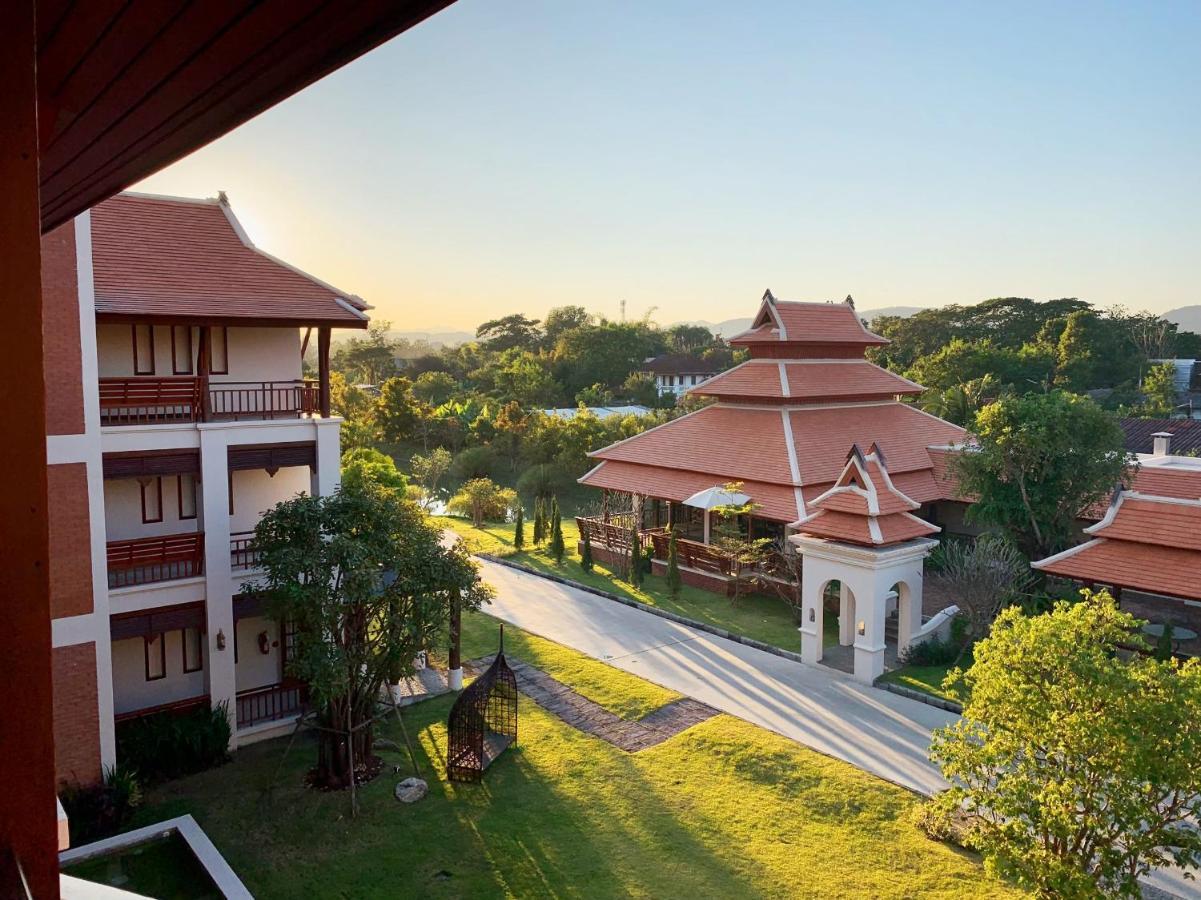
{"points": [[876, 731]]}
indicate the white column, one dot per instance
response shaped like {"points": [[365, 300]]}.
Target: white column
{"points": [[846, 616], [706, 526], [328, 474], [218, 574], [812, 612], [909, 616], [871, 606]]}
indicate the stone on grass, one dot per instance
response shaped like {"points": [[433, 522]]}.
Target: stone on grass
{"points": [[411, 790]]}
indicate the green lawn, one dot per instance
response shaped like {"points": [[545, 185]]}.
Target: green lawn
{"points": [[928, 679], [764, 618], [724, 809]]}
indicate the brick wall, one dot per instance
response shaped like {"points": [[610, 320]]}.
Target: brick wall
{"points": [[76, 716], [70, 540], [60, 332]]}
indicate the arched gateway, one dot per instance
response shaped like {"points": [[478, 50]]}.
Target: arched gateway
{"points": [[863, 534]]}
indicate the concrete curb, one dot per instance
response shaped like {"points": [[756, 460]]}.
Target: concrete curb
{"points": [[920, 696], [653, 610]]}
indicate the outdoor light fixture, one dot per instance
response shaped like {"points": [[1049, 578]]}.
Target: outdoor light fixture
{"points": [[812, 614], [861, 627], [220, 639]]}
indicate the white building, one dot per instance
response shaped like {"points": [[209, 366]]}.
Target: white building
{"points": [[675, 373], [182, 416]]}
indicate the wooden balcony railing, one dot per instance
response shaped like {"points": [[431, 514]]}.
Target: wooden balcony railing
{"points": [[153, 400], [242, 554], [263, 399], [270, 703], [611, 532], [175, 707], [693, 554], [145, 560]]}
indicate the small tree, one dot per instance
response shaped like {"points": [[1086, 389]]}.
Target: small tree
{"points": [[518, 528], [1078, 770], [1163, 647], [428, 471], [482, 499], [364, 465], [539, 521], [557, 548], [635, 556], [982, 575], [586, 551], [673, 565], [367, 584], [747, 555]]}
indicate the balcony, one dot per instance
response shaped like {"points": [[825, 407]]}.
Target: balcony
{"points": [[270, 703], [242, 554], [159, 400], [146, 560]]}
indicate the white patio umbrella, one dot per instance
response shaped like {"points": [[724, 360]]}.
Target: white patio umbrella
{"points": [[711, 498]]}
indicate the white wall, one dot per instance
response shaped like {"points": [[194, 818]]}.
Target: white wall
{"points": [[131, 690], [123, 510], [255, 354], [255, 668], [255, 492]]}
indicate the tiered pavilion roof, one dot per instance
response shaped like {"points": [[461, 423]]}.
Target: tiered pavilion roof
{"points": [[783, 420]]}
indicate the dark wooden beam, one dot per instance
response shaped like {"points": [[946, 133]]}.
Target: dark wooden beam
{"points": [[323, 368], [28, 823], [204, 365]]}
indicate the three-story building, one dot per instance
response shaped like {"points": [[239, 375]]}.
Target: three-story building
{"points": [[185, 415]]}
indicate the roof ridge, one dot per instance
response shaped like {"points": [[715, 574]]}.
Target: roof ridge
{"points": [[171, 198]]}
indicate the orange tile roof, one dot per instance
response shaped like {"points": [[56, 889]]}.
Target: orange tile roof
{"points": [[864, 507], [800, 323], [179, 258], [1145, 567], [1143, 542], [774, 501], [809, 380], [1169, 481]]}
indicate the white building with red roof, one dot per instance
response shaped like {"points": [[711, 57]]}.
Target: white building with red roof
{"points": [[192, 416]]}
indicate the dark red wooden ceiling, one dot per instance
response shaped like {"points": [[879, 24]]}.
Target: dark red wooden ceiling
{"points": [[126, 87]]}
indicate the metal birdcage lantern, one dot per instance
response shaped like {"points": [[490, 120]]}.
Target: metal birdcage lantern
{"points": [[483, 721]]}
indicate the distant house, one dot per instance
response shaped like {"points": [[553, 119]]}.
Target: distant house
{"points": [[1180, 437], [601, 412], [675, 373]]}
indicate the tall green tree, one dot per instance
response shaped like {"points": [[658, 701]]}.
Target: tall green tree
{"points": [[363, 467], [519, 528], [367, 584], [510, 332], [371, 359], [539, 521], [1078, 767], [557, 547], [1043, 459], [586, 562]]}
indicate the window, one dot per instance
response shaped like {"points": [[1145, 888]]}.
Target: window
{"points": [[186, 489], [156, 656], [152, 499], [193, 650], [143, 349], [181, 349], [218, 351], [288, 633]]}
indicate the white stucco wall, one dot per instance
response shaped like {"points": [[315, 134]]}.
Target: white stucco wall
{"points": [[255, 668], [255, 354], [123, 510], [131, 690], [255, 492]]}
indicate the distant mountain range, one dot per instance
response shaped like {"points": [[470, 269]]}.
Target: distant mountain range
{"points": [[731, 327], [1187, 318]]}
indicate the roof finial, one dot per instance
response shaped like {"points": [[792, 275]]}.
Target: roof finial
{"points": [[850, 301], [768, 297], [222, 199]]}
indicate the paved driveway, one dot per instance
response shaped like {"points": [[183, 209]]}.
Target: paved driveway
{"points": [[876, 731]]}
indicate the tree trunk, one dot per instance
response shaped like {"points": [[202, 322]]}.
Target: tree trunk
{"points": [[333, 759]]}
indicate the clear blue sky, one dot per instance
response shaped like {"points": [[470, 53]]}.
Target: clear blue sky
{"points": [[509, 155]]}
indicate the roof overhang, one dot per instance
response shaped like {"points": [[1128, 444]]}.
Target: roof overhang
{"points": [[103, 318], [126, 89]]}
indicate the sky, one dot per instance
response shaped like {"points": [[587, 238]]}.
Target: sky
{"points": [[514, 155]]}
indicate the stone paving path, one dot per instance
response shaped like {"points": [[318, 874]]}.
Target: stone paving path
{"points": [[591, 718]]}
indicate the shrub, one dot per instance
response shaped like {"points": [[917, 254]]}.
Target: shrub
{"points": [[636, 570], [557, 548], [539, 521], [170, 745], [1163, 646], [518, 528], [932, 652], [98, 810], [586, 552], [673, 566], [481, 500], [474, 462]]}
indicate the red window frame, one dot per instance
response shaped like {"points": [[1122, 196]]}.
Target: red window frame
{"points": [[157, 481], [137, 362], [162, 654], [199, 667], [184, 366], [179, 496]]}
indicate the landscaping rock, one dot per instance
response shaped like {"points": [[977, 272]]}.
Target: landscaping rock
{"points": [[411, 790]]}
